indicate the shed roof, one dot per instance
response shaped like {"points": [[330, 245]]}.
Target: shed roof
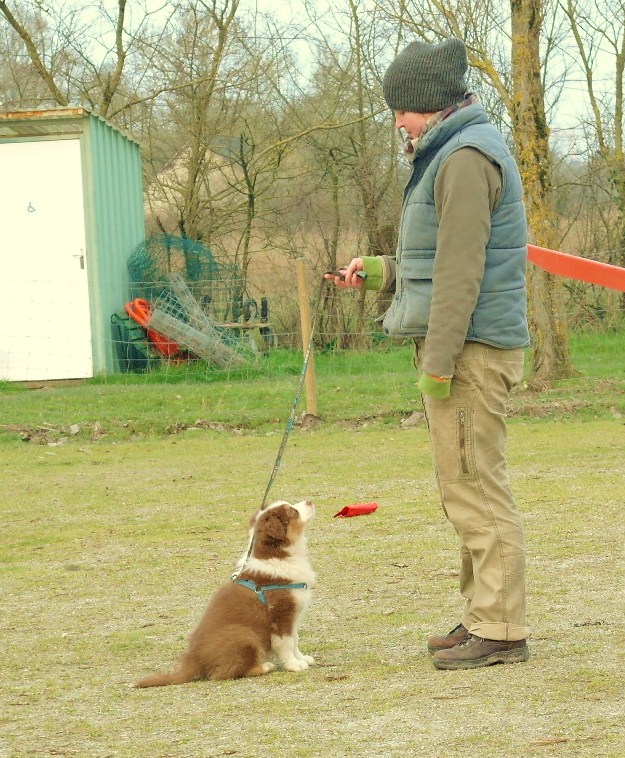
{"points": [[47, 122]]}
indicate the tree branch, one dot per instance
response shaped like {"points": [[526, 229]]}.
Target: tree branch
{"points": [[39, 65]]}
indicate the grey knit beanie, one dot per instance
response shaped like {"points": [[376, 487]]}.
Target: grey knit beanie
{"points": [[426, 78]]}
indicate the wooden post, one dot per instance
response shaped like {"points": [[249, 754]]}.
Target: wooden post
{"points": [[304, 312]]}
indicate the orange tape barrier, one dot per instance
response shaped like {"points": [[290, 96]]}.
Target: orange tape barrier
{"points": [[574, 267]]}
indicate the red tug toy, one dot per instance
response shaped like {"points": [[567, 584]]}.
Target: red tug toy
{"points": [[357, 509]]}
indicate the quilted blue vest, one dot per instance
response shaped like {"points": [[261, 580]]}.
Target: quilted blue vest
{"points": [[499, 318]]}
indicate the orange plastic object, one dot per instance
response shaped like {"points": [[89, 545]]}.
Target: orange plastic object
{"points": [[357, 509], [575, 267], [139, 310]]}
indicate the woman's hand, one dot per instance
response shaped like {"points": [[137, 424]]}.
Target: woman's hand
{"points": [[348, 276]]}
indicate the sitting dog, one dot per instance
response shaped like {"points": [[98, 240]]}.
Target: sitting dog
{"points": [[256, 615]]}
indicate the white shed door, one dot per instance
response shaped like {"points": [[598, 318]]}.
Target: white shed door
{"points": [[45, 330]]}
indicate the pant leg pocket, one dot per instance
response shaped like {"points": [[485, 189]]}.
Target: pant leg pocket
{"points": [[465, 446], [452, 436]]}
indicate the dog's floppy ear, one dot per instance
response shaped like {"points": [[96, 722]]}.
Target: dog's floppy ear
{"points": [[273, 526]]}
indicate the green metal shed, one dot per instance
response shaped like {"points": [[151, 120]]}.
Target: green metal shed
{"points": [[71, 213]]}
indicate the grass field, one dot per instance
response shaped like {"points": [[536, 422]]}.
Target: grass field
{"points": [[125, 506]]}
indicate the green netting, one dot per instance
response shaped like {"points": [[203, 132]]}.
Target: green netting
{"points": [[218, 287]]}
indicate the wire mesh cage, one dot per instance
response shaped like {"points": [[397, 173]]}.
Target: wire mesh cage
{"points": [[216, 286], [189, 301]]}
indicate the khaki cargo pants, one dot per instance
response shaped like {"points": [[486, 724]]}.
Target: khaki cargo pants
{"points": [[468, 439]]}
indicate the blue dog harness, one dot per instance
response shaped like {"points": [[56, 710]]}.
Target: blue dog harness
{"points": [[260, 591]]}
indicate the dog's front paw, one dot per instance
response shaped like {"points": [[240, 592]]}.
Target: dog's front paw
{"points": [[293, 664], [309, 659]]}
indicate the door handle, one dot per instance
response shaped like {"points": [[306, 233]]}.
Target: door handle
{"points": [[81, 256]]}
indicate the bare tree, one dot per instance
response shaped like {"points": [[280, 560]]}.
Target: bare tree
{"points": [[357, 161], [30, 26], [598, 30], [227, 131], [79, 54], [197, 56]]}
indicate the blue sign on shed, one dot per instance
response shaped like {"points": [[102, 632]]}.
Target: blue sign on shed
{"points": [[71, 213]]}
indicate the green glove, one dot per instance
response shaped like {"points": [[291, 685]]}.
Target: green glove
{"points": [[433, 387], [373, 268]]}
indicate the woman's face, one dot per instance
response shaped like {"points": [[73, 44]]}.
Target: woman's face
{"points": [[412, 123]]}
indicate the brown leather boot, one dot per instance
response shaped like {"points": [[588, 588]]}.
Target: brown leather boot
{"points": [[477, 652], [443, 641]]}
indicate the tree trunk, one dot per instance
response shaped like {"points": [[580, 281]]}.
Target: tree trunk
{"points": [[551, 357]]}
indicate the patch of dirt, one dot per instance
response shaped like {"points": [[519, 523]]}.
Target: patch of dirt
{"points": [[51, 435], [215, 426], [547, 408]]}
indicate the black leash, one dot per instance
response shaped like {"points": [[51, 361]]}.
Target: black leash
{"points": [[289, 425], [291, 422]]}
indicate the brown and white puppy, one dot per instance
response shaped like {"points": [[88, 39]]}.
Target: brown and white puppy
{"points": [[255, 616]]}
